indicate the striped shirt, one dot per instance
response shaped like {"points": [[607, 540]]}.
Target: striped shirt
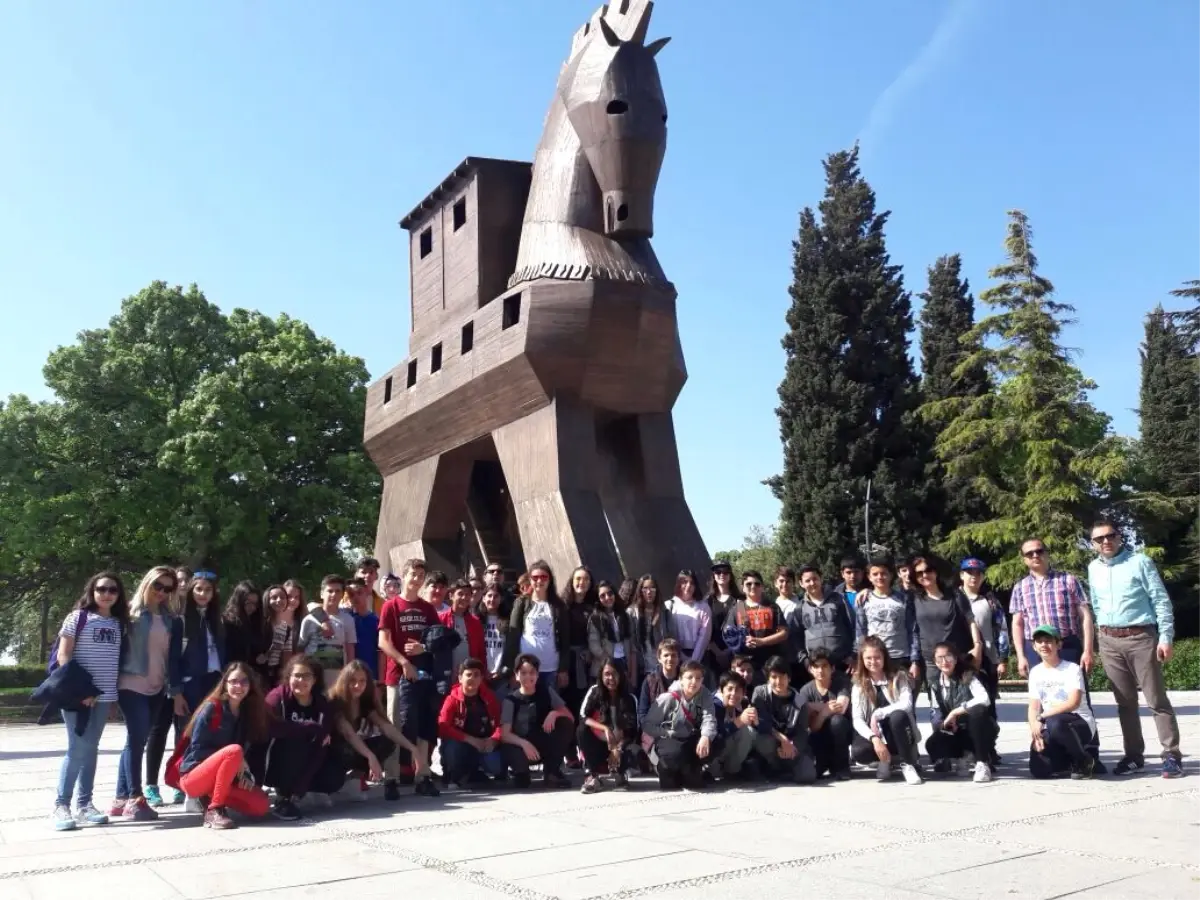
{"points": [[1053, 600], [97, 649]]}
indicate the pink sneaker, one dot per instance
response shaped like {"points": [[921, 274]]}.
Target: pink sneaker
{"points": [[117, 809], [136, 809]]}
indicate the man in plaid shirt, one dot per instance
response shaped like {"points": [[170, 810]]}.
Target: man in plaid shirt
{"points": [[1048, 597]]}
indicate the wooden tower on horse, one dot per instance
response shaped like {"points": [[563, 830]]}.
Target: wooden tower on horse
{"points": [[532, 418]]}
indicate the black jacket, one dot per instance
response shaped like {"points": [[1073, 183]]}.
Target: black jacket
{"points": [[66, 688]]}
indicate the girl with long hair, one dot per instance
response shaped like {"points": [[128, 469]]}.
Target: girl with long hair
{"points": [[246, 636], [197, 648], [538, 626], [691, 617], [91, 635], [881, 702], [651, 625], [164, 720], [610, 633], [282, 631], [723, 595], [607, 727], [368, 741], [495, 632], [213, 765], [141, 690]]}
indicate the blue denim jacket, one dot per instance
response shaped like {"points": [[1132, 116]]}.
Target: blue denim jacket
{"points": [[189, 659], [135, 653]]}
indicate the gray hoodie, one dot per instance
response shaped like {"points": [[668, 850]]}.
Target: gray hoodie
{"points": [[673, 719]]}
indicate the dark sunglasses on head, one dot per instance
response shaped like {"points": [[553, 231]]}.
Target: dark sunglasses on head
{"points": [[1030, 554], [106, 589]]}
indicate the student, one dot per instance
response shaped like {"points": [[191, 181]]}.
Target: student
{"points": [[367, 571], [820, 622], [366, 626], [327, 633], [609, 632], [246, 636], [723, 593], [827, 700], [737, 725], [962, 726], [680, 728], [436, 591], [164, 720], [993, 627], [651, 621], [141, 689], [301, 724], [213, 764], [782, 738], [889, 615], [469, 726], [495, 630], [881, 701], [691, 618], [465, 623], [1060, 717], [535, 726], [766, 632], [538, 627], [283, 631], [743, 665], [607, 727], [659, 680], [413, 704], [853, 571], [580, 599], [368, 741], [91, 636], [785, 591]]}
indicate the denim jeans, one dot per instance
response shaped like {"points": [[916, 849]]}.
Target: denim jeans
{"points": [[79, 765], [460, 761], [140, 712]]}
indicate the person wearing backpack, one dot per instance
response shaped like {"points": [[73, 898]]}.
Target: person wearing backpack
{"points": [[211, 759], [90, 636], [680, 729]]}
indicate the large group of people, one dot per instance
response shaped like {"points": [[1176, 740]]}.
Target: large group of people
{"points": [[279, 704]]}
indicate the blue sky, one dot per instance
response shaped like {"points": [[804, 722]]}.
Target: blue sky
{"points": [[266, 151]]}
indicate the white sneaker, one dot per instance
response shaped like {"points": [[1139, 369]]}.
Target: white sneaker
{"points": [[883, 771], [193, 805], [317, 800], [62, 820], [983, 773], [911, 775]]}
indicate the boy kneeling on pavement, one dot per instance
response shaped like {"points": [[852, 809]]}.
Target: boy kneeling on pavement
{"points": [[782, 739], [736, 724], [680, 729]]}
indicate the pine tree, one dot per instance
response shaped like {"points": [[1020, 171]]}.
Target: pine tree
{"points": [[848, 391], [947, 317], [1039, 453]]}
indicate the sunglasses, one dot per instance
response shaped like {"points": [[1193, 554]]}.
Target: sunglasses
{"points": [[539, 578], [106, 589], [237, 682], [163, 588], [1101, 538], [1031, 554], [921, 572]]}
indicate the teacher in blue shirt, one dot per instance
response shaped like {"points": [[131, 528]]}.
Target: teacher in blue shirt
{"points": [[1137, 628]]}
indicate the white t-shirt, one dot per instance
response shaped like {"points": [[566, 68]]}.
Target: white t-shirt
{"points": [[493, 640], [1052, 685], [786, 605], [97, 649], [330, 651], [538, 635]]}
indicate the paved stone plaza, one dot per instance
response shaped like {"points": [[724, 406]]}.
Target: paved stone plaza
{"points": [[949, 839]]}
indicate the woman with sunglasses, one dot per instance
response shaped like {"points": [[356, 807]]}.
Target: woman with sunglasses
{"points": [[91, 636], [164, 719], [141, 690], [943, 619], [539, 626]]}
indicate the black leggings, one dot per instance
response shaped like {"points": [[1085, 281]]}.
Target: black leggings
{"points": [[289, 761], [156, 743], [550, 748], [975, 733], [1067, 738], [898, 734], [594, 748], [353, 761]]}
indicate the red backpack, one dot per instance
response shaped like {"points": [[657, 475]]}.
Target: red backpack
{"points": [[171, 775]]}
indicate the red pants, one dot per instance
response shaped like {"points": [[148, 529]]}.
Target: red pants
{"points": [[214, 779]]}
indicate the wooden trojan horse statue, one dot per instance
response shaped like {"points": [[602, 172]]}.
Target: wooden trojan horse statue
{"points": [[532, 418]]}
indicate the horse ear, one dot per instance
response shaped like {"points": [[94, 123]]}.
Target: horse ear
{"points": [[609, 35], [655, 46]]}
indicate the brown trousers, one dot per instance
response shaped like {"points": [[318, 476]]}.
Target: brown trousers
{"points": [[1132, 663]]}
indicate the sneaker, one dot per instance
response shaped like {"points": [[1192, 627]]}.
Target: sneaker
{"points": [[319, 800], [193, 805], [215, 818], [912, 775], [883, 771], [983, 773], [841, 775], [426, 788], [179, 797], [1129, 766], [1172, 768], [574, 762], [591, 785], [1085, 771], [391, 791], [945, 766], [137, 810], [285, 810], [62, 820], [620, 780], [117, 809], [555, 779], [153, 797], [89, 815]]}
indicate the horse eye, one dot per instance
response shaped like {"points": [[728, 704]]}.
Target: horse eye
{"points": [[617, 107]]}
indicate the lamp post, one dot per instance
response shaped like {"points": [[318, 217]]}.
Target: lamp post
{"points": [[867, 519]]}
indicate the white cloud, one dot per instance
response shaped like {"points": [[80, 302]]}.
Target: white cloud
{"points": [[929, 59]]}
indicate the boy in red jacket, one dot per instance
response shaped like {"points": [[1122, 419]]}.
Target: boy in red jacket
{"points": [[469, 726], [468, 625]]}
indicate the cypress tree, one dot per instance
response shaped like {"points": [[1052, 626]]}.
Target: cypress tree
{"points": [[947, 317], [1039, 453], [848, 392]]}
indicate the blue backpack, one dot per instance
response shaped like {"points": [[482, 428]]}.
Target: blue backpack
{"points": [[80, 621]]}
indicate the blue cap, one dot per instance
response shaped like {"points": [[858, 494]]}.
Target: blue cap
{"points": [[972, 563]]}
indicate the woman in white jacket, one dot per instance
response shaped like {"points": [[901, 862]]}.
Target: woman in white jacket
{"points": [[885, 724]]}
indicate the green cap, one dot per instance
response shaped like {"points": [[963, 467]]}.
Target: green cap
{"points": [[1048, 630]]}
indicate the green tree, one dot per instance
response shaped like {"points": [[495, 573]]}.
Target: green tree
{"points": [[947, 317], [180, 434], [1037, 451], [848, 391], [759, 551]]}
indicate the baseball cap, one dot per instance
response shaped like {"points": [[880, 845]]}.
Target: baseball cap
{"points": [[1048, 630], [972, 563]]}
